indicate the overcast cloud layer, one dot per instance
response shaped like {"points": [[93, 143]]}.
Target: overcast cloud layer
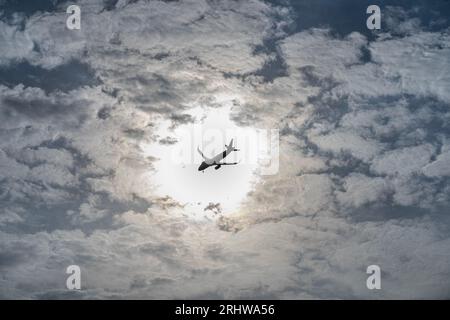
{"points": [[364, 122]]}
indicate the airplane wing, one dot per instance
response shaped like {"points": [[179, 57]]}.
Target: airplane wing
{"points": [[226, 163], [201, 153]]}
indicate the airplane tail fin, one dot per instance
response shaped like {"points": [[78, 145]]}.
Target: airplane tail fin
{"points": [[230, 145]]}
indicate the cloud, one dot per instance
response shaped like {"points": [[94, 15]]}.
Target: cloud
{"points": [[214, 207], [363, 179], [22, 45], [403, 161]]}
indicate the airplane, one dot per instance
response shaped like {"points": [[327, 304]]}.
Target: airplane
{"points": [[216, 160]]}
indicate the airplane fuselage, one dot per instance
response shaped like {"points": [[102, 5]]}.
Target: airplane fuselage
{"points": [[215, 161]]}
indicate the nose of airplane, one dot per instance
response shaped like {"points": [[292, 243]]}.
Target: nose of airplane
{"points": [[202, 166]]}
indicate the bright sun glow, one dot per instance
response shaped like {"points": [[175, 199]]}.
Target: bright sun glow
{"points": [[176, 171]]}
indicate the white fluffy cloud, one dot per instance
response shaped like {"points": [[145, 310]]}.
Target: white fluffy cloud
{"points": [[363, 173]]}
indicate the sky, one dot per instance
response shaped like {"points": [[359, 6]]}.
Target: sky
{"points": [[98, 155]]}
